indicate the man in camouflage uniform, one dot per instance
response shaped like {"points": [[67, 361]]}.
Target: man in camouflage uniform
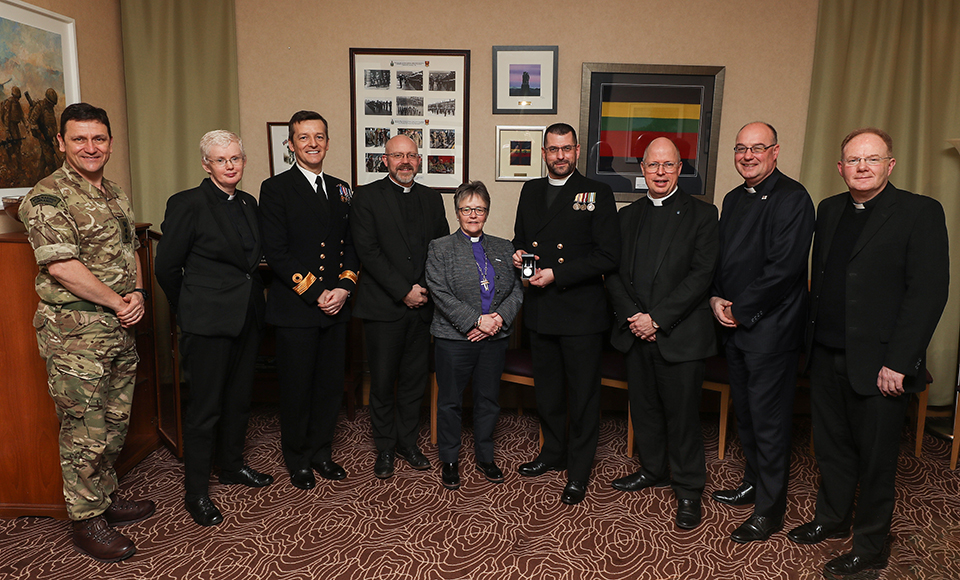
{"points": [[82, 231]]}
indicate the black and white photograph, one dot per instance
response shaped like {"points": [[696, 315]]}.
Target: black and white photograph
{"points": [[443, 107], [443, 80], [374, 163], [377, 107], [376, 136], [410, 80], [410, 106], [376, 79], [442, 138], [442, 164], [415, 134]]}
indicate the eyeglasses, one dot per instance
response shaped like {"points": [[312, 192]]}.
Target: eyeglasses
{"points": [[873, 161], [402, 156], [553, 149], [654, 166], [757, 149], [220, 161], [465, 211]]}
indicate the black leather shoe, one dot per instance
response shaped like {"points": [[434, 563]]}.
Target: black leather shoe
{"points": [[535, 468], [203, 511], [328, 469], [490, 471], [450, 475], [743, 495], [689, 513], [574, 492], [814, 533], [383, 466], [850, 564], [247, 476], [303, 479], [756, 529], [414, 457], [637, 481]]}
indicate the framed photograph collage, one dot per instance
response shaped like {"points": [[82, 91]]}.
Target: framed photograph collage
{"points": [[423, 94]]}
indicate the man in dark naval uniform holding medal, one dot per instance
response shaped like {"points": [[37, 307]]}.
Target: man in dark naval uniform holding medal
{"points": [[306, 240], [570, 224]]}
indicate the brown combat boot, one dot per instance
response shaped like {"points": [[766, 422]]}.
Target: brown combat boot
{"points": [[123, 511], [95, 538]]}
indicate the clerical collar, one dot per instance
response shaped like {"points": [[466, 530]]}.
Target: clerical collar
{"points": [[867, 204], [231, 196], [558, 182], [749, 189], [472, 239], [659, 202], [405, 188], [311, 176]]}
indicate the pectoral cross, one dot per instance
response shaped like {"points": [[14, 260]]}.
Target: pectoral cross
{"points": [[485, 283]]}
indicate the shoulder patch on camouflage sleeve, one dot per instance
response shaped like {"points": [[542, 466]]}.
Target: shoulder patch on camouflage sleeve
{"points": [[44, 199]]}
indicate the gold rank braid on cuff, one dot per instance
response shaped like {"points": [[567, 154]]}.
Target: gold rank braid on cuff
{"points": [[349, 275], [305, 284]]}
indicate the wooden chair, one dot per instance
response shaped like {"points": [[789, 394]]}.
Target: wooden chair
{"points": [[613, 373], [717, 378], [955, 449]]}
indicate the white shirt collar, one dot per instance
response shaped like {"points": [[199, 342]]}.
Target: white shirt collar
{"points": [[659, 202], [559, 182], [311, 177]]}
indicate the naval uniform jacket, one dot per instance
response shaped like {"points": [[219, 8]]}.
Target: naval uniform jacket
{"points": [[308, 246], [580, 245]]}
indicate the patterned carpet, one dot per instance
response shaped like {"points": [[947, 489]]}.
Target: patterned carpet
{"points": [[409, 527]]}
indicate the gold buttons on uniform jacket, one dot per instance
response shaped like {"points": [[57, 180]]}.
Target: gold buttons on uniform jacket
{"points": [[323, 256], [534, 244], [559, 246], [323, 244], [559, 261], [321, 268]]}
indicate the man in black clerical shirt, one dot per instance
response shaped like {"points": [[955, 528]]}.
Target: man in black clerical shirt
{"points": [[393, 221], [662, 323], [880, 280], [760, 298]]}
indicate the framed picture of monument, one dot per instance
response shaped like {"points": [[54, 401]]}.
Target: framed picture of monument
{"points": [[281, 158], [39, 77], [518, 153], [423, 94], [525, 80]]}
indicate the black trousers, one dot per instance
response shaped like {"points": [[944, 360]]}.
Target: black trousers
{"points": [[397, 354], [857, 440], [310, 368], [576, 358], [665, 408], [457, 362], [763, 385], [221, 383]]}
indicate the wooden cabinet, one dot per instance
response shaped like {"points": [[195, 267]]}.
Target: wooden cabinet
{"points": [[29, 430]]}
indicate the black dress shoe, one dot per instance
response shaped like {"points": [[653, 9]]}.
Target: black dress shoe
{"points": [[303, 479], [850, 564], [203, 511], [689, 513], [450, 475], [328, 469], [247, 476], [490, 471], [574, 492], [637, 481], [383, 466], [814, 533], [756, 529], [743, 495], [536, 467], [414, 457]]}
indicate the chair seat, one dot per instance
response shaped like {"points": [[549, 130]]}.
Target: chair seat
{"points": [[518, 362]]}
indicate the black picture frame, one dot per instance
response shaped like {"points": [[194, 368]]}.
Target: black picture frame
{"points": [[537, 94]]}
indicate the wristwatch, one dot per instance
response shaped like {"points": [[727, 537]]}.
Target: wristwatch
{"points": [[144, 293]]}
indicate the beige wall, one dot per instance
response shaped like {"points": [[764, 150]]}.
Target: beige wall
{"points": [[100, 54], [294, 54]]}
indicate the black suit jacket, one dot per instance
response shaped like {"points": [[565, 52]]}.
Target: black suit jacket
{"points": [[685, 264], [307, 243], [763, 265], [204, 272], [897, 283], [581, 246], [390, 269]]}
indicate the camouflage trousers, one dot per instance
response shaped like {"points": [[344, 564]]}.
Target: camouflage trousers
{"points": [[91, 369]]}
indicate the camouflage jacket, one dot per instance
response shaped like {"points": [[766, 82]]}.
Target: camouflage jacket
{"points": [[67, 217]]}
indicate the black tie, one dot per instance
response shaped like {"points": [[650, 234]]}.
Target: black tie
{"points": [[320, 188]]}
